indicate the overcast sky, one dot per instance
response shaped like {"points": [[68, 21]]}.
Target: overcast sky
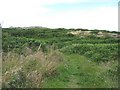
{"points": [[89, 14]]}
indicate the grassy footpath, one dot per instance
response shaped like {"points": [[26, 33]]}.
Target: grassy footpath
{"points": [[78, 71]]}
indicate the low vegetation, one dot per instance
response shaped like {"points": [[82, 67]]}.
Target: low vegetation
{"points": [[29, 70], [56, 58]]}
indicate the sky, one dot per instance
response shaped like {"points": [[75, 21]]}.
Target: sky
{"points": [[87, 14]]}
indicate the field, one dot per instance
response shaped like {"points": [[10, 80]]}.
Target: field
{"points": [[59, 58]]}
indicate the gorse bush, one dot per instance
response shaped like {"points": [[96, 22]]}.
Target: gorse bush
{"points": [[17, 38], [97, 52]]}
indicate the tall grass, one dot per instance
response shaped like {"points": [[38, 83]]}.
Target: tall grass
{"points": [[29, 69]]}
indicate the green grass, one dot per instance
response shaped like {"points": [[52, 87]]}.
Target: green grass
{"points": [[57, 70], [68, 71], [79, 72]]}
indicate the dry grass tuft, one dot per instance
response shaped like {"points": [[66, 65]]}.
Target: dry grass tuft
{"points": [[30, 69]]}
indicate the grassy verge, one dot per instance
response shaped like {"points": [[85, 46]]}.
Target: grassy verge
{"points": [[77, 71]]}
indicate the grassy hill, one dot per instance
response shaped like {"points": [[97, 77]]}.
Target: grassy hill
{"points": [[59, 58]]}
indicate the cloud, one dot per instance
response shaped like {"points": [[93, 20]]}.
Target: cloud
{"points": [[98, 18], [35, 12]]}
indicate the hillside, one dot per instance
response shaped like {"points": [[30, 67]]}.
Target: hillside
{"points": [[59, 58]]}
